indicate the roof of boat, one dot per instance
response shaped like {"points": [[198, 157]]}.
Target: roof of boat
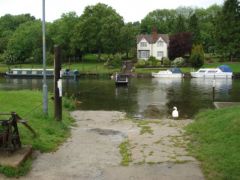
{"points": [[175, 70], [225, 68]]}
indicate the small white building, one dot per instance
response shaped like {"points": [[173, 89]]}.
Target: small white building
{"points": [[155, 45]]}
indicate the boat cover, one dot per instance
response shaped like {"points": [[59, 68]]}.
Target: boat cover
{"points": [[225, 68], [175, 70]]}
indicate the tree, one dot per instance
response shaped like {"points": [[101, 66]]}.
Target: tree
{"points": [[25, 45], [197, 56], [61, 32], [228, 29], [128, 35], [207, 23], [161, 19], [8, 24], [98, 30], [180, 25], [195, 29], [180, 45]]}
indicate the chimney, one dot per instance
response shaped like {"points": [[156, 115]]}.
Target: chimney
{"points": [[154, 34]]}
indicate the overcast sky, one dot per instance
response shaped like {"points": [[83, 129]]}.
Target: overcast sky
{"points": [[130, 10]]}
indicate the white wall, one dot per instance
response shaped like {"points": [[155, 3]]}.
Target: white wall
{"points": [[153, 48]]}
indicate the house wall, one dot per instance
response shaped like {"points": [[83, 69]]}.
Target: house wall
{"points": [[153, 49], [164, 49]]}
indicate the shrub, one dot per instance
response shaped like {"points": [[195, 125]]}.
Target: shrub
{"points": [[152, 61], [114, 62], [178, 61], [197, 56], [166, 61], [140, 63]]}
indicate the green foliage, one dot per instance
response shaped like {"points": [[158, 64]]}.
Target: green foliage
{"points": [[197, 56], [180, 25], [125, 151], [195, 29], [22, 170], [25, 44], [228, 29], [152, 61], [98, 29], [140, 63], [166, 61], [178, 61], [115, 62], [161, 19], [215, 141]]}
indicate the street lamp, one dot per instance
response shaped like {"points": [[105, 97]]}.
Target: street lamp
{"points": [[45, 89]]}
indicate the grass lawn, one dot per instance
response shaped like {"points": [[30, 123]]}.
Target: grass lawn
{"points": [[28, 104], [215, 141]]}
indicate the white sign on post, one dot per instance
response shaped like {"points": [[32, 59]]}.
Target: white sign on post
{"points": [[59, 84]]}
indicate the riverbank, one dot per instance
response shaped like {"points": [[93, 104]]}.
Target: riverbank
{"points": [[106, 145], [50, 134], [215, 142]]}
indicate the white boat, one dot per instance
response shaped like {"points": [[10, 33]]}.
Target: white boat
{"points": [[223, 71], [170, 73]]}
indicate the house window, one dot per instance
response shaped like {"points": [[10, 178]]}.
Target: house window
{"points": [[143, 44], [143, 54], [160, 54], [160, 44]]}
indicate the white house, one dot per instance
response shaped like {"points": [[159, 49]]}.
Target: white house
{"points": [[152, 45]]}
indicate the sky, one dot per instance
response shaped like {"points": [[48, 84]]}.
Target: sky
{"points": [[130, 10]]}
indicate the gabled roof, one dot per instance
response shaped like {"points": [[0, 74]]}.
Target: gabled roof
{"points": [[150, 39]]}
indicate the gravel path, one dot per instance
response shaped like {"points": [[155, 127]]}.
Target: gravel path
{"points": [[92, 151]]}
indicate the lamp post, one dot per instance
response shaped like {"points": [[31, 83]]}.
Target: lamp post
{"points": [[45, 89]]}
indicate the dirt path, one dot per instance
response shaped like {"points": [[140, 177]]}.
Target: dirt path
{"points": [[157, 148]]}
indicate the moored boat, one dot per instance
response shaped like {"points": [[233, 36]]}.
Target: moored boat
{"points": [[121, 80], [170, 73], [38, 73], [222, 71]]}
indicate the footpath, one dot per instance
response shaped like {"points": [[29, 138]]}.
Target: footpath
{"points": [[157, 151]]}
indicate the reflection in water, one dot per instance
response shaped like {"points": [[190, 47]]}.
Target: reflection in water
{"points": [[150, 98]]}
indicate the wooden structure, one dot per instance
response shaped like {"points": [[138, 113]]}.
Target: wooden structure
{"points": [[9, 134]]}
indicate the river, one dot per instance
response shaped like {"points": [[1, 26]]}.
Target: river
{"points": [[144, 98]]}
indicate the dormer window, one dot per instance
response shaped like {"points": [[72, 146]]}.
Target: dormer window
{"points": [[143, 44], [160, 44]]}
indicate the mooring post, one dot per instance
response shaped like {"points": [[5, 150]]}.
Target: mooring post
{"points": [[57, 84], [213, 89]]}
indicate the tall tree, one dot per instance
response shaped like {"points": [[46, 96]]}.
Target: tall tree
{"points": [[61, 32], [8, 24], [180, 25], [25, 45], [162, 19], [98, 29], [195, 29], [228, 29], [128, 37]]}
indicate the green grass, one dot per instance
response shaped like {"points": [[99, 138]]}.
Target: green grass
{"points": [[215, 141], [124, 149], [28, 105]]}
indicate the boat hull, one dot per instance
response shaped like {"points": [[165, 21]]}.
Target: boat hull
{"points": [[211, 76], [159, 75]]}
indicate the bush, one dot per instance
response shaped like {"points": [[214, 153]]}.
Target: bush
{"points": [[115, 62], [140, 63], [197, 56], [178, 61], [166, 61], [152, 61]]}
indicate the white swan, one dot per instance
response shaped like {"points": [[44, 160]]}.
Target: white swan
{"points": [[175, 113]]}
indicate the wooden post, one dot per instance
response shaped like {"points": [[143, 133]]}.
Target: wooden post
{"points": [[57, 97], [213, 89]]}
